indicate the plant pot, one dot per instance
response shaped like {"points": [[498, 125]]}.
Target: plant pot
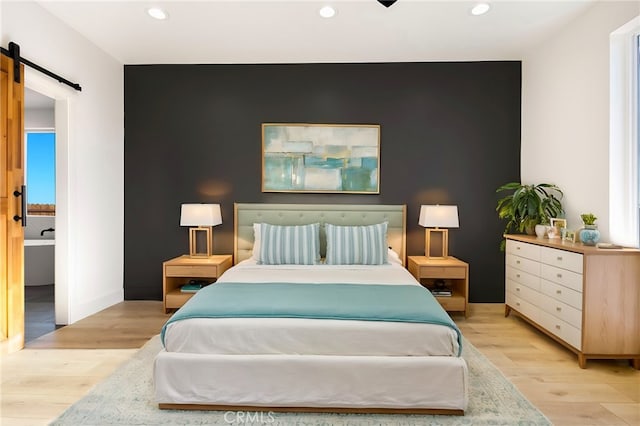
{"points": [[530, 230], [541, 230], [589, 235]]}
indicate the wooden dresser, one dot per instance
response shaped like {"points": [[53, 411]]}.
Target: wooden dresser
{"points": [[586, 298]]}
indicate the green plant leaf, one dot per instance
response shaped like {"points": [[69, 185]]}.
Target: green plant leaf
{"points": [[528, 205]]}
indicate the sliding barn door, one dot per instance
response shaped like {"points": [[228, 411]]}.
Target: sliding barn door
{"points": [[11, 231]]}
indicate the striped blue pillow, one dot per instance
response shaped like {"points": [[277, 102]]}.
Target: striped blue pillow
{"points": [[289, 245], [356, 245]]}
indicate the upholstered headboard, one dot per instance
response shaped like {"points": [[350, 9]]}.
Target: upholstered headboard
{"points": [[246, 214]]}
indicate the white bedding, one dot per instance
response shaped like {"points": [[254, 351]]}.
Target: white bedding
{"points": [[277, 336]]}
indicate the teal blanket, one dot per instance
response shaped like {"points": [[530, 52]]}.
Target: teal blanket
{"points": [[365, 302]]}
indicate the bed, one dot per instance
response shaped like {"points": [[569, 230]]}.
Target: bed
{"points": [[368, 345]]}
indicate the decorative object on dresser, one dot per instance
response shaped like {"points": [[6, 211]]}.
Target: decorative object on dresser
{"points": [[583, 297], [433, 218], [589, 235], [184, 270], [541, 230], [203, 217], [555, 230], [528, 205], [571, 237], [454, 272]]}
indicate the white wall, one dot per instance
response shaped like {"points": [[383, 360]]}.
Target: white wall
{"points": [[91, 231], [39, 118], [565, 111]]}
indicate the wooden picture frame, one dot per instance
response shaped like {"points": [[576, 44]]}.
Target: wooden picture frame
{"points": [[325, 158], [570, 236], [556, 227]]}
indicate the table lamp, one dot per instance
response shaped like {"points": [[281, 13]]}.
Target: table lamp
{"points": [[203, 217], [434, 217]]}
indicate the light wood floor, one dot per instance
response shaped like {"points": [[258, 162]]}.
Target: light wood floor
{"points": [[57, 369]]}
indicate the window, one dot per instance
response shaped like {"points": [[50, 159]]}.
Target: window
{"points": [[624, 149], [40, 173]]}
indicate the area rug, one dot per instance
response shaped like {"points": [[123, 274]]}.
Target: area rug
{"points": [[126, 398]]}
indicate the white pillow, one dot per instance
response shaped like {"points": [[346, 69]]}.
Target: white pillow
{"points": [[256, 241], [393, 257]]}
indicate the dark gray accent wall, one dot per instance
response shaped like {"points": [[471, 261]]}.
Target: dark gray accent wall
{"points": [[450, 134]]}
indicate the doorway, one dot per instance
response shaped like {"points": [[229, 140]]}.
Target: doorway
{"points": [[62, 100], [39, 234]]}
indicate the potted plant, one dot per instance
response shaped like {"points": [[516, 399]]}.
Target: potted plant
{"points": [[588, 219], [528, 205], [589, 235]]}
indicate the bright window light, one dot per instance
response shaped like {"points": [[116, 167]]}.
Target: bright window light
{"points": [[157, 13], [327, 12], [480, 9]]}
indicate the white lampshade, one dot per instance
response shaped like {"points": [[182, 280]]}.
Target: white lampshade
{"points": [[437, 216], [200, 215]]}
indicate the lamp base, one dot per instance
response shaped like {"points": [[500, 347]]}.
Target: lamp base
{"points": [[433, 252], [193, 241]]}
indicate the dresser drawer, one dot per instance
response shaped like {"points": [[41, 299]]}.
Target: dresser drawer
{"points": [[523, 264], [523, 292], [518, 248], [525, 278], [524, 307], [561, 293], [562, 259], [562, 329], [561, 310], [561, 276]]}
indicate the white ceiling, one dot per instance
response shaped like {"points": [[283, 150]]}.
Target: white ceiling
{"points": [[264, 31]]}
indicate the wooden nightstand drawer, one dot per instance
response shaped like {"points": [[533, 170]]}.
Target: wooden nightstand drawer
{"points": [[452, 303], [442, 272], [175, 300], [192, 271]]}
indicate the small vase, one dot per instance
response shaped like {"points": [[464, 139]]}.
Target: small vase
{"points": [[590, 235], [541, 230]]}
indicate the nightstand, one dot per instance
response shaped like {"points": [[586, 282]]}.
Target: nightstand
{"points": [[453, 271], [182, 269]]}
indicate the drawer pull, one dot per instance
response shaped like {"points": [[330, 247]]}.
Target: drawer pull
{"points": [[559, 275], [557, 327], [518, 262], [517, 288], [518, 275], [559, 309], [558, 291], [518, 303], [559, 258], [517, 247]]}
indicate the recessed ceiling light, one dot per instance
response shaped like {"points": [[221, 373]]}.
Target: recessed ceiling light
{"points": [[157, 13], [327, 12], [480, 9]]}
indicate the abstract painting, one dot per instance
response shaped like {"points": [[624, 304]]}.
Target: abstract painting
{"points": [[330, 158]]}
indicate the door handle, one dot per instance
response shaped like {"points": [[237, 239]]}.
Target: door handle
{"points": [[23, 205]]}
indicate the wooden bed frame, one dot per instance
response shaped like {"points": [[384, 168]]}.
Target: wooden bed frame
{"points": [[246, 214]]}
